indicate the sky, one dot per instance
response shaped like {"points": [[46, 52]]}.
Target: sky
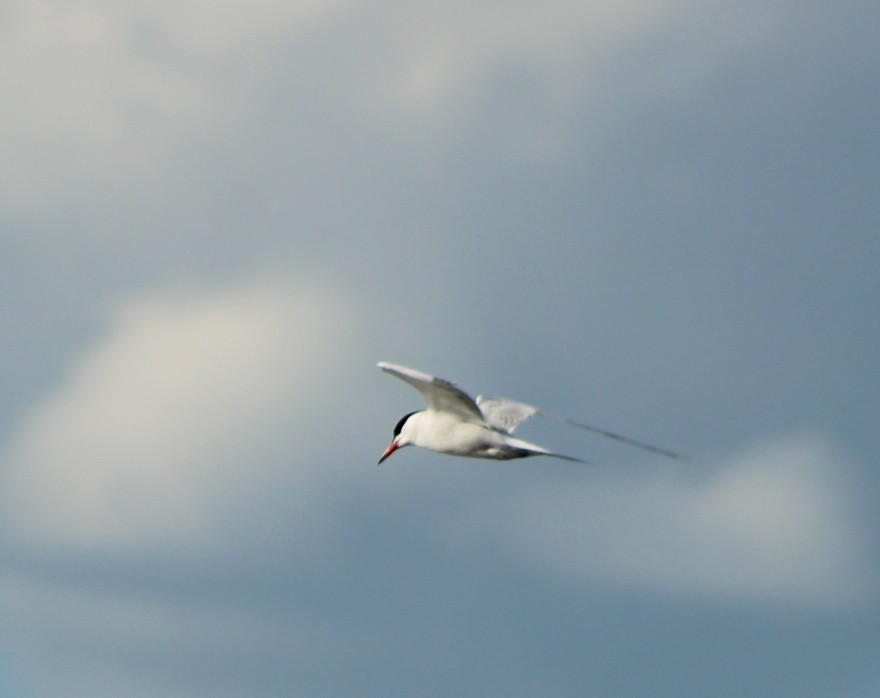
{"points": [[655, 216]]}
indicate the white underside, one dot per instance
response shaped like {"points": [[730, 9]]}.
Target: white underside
{"points": [[446, 433]]}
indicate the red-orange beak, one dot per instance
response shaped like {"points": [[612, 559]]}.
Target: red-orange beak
{"points": [[392, 447]]}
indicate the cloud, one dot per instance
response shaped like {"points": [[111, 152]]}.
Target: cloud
{"points": [[453, 45], [527, 74], [774, 523], [144, 443], [99, 92], [103, 94]]}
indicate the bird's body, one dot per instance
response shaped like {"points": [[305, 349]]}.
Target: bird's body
{"points": [[447, 433], [456, 424]]}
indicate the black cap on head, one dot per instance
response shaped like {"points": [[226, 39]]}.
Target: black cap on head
{"points": [[399, 425]]}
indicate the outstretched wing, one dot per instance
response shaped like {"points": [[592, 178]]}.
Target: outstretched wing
{"points": [[507, 415], [439, 394]]}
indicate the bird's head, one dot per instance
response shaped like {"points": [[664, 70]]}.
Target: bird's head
{"points": [[400, 438]]}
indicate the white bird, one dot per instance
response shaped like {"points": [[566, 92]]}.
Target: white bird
{"points": [[456, 424]]}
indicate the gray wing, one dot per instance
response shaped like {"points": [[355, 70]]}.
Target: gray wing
{"points": [[507, 415], [439, 394]]}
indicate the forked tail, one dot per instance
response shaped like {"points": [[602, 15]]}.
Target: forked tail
{"points": [[529, 449]]}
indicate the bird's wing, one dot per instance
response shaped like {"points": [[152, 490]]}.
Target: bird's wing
{"points": [[439, 394], [507, 415], [503, 414]]}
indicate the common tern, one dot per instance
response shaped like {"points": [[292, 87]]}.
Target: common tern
{"points": [[456, 424]]}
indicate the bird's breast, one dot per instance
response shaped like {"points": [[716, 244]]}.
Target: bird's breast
{"points": [[448, 434]]}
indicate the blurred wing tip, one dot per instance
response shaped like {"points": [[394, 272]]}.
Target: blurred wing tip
{"points": [[404, 371], [504, 414]]}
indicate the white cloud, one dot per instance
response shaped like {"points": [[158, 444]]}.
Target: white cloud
{"points": [[450, 46], [97, 91], [101, 93], [775, 523], [145, 443], [530, 71]]}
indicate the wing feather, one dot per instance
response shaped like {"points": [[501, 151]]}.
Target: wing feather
{"points": [[503, 414], [440, 395], [507, 415]]}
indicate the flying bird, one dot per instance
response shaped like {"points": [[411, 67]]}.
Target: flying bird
{"points": [[456, 424]]}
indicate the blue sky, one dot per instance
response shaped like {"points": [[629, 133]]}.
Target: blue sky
{"points": [[657, 216]]}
